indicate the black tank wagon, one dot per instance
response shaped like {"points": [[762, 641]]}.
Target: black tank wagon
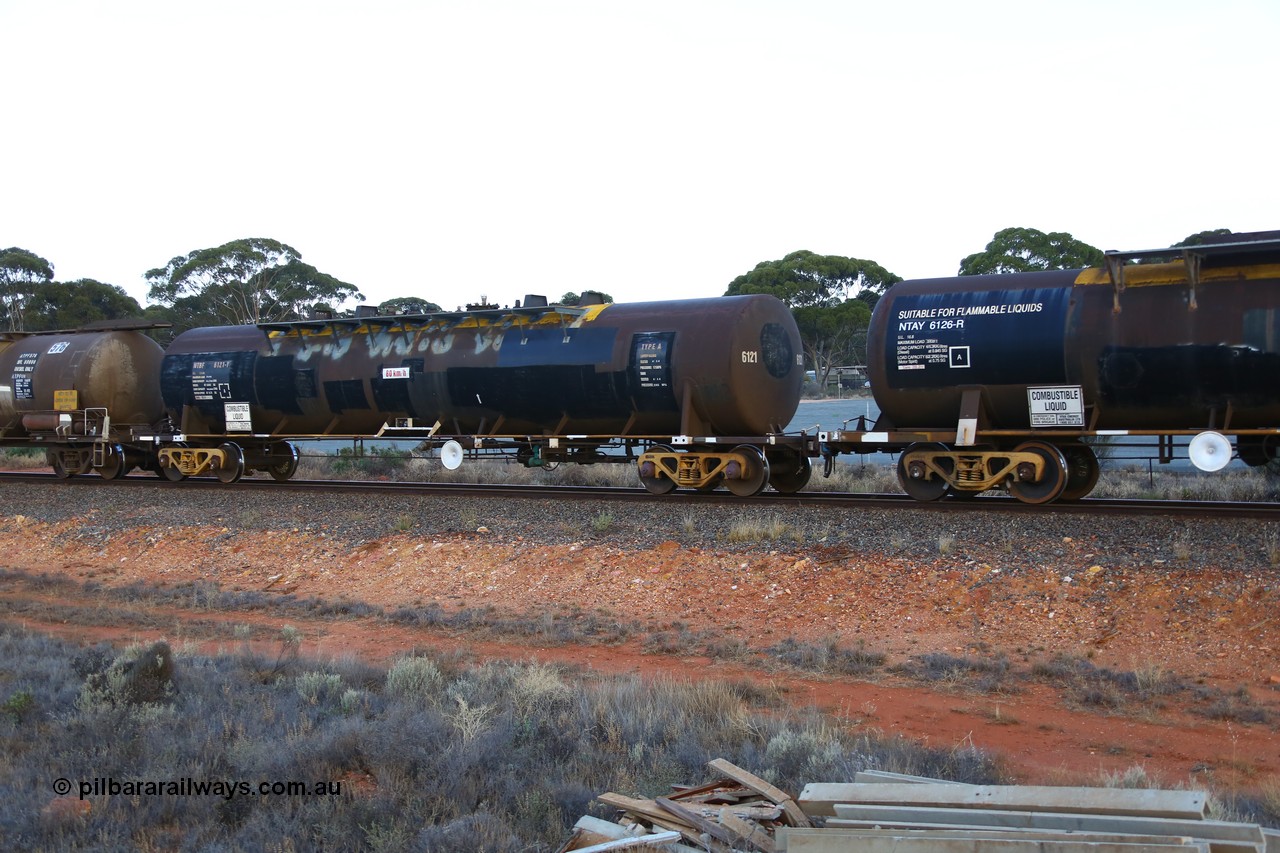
{"points": [[1001, 380], [716, 378]]}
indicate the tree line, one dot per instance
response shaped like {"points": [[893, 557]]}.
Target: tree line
{"points": [[257, 280], [254, 280]]}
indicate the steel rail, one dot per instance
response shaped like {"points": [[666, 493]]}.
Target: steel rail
{"points": [[840, 500]]}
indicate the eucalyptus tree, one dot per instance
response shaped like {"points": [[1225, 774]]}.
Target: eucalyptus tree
{"points": [[831, 297], [72, 304], [20, 272], [1026, 250], [407, 305], [571, 298], [252, 280]]}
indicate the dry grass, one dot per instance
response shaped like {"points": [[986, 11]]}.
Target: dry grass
{"points": [[1271, 545], [771, 528], [22, 459], [1234, 485], [1259, 804]]}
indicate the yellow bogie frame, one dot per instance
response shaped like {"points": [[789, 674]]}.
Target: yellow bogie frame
{"points": [[1034, 472], [226, 462], [744, 470]]}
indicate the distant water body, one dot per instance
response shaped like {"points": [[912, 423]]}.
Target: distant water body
{"points": [[831, 414]]}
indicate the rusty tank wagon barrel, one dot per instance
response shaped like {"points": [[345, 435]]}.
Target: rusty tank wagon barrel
{"points": [[111, 369], [84, 395]]}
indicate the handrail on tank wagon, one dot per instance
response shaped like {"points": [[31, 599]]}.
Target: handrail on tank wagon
{"points": [[125, 325], [1192, 257]]}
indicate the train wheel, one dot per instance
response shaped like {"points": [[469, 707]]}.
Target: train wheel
{"points": [[152, 464], [789, 472], [170, 472], [1258, 452], [59, 467], [751, 481], [1051, 483], [113, 463], [914, 475], [654, 483], [232, 467], [1082, 471], [284, 461]]}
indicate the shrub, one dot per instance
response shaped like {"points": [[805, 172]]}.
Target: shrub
{"points": [[415, 679], [376, 462], [134, 678], [827, 656], [23, 458], [315, 687], [19, 705], [496, 757], [985, 675]]}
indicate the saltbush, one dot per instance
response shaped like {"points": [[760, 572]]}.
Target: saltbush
{"points": [[497, 757]]}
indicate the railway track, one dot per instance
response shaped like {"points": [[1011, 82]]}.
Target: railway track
{"points": [[838, 500]]}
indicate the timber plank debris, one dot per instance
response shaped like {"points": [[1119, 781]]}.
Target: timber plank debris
{"points": [[736, 811], [739, 812]]}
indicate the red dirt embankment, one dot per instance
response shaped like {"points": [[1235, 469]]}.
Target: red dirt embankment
{"points": [[1211, 630]]}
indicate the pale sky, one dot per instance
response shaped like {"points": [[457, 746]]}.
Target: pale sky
{"points": [[652, 150]]}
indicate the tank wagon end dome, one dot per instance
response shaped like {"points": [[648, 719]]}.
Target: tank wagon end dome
{"points": [[112, 370], [735, 362]]}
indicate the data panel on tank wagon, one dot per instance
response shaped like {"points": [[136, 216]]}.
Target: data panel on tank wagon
{"points": [[211, 380], [996, 337], [23, 368], [206, 381], [651, 353], [651, 380]]}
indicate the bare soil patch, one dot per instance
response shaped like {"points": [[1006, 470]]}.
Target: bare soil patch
{"points": [[1211, 630]]}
